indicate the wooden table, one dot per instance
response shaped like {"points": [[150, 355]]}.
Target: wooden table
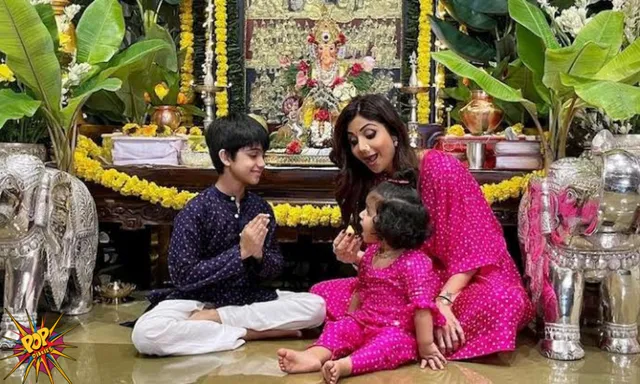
{"points": [[293, 186]]}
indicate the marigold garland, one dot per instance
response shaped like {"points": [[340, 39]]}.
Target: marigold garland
{"points": [[286, 215], [424, 58], [220, 24], [186, 44]]}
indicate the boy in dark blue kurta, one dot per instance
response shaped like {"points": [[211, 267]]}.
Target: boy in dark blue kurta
{"points": [[222, 246]]}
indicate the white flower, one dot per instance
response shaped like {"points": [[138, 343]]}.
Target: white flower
{"points": [[74, 76], [572, 20], [345, 91], [36, 2], [71, 11]]}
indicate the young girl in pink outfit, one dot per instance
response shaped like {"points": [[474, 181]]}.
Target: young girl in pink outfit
{"points": [[392, 311]]}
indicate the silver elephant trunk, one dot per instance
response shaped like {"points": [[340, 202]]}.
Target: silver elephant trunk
{"points": [[580, 224], [48, 240]]}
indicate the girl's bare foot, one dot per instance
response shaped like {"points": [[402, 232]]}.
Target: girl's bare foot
{"points": [[333, 370], [291, 361]]}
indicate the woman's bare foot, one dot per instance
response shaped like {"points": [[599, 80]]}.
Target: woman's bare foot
{"points": [[291, 361], [333, 370]]}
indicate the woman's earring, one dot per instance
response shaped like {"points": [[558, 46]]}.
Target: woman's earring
{"points": [[395, 142]]}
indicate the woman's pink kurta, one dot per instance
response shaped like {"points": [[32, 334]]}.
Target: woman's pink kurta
{"points": [[466, 236]]}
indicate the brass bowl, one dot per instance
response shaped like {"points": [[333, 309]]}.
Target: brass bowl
{"points": [[116, 292]]}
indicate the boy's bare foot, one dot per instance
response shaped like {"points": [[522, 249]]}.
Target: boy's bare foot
{"points": [[205, 314], [333, 370], [291, 361]]}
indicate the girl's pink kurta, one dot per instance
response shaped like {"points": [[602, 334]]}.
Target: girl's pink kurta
{"points": [[380, 333], [466, 236]]}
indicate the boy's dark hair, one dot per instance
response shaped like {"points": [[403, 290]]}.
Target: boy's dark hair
{"points": [[232, 133], [401, 219]]}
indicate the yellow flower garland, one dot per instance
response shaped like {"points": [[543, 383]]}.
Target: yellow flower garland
{"points": [[424, 58], [286, 215], [220, 23], [186, 44]]}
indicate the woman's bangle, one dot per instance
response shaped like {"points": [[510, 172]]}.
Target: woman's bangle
{"points": [[445, 298]]}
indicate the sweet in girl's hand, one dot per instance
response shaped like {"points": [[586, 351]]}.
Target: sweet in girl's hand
{"points": [[350, 230]]}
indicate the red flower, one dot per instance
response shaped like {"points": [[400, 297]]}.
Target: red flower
{"points": [[337, 81], [311, 39], [322, 115], [356, 69], [293, 148], [342, 39], [303, 66], [311, 83]]}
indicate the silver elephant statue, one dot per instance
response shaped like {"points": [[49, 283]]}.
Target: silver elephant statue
{"points": [[48, 240], [580, 224]]}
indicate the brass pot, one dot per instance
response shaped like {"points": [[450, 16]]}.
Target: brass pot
{"points": [[481, 116], [168, 115]]}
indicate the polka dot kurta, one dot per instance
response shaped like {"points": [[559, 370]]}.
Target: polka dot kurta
{"points": [[204, 255], [466, 236], [380, 333]]}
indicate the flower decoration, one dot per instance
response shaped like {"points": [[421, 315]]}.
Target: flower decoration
{"points": [[6, 74], [322, 115], [424, 58], [517, 128], [455, 130], [131, 129], [356, 69], [161, 90], [182, 130], [195, 131], [222, 60], [294, 148], [149, 130], [186, 46]]}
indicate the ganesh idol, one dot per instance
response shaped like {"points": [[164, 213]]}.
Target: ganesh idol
{"points": [[320, 87]]}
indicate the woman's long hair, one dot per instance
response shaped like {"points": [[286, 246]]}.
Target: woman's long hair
{"points": [[354, 179]]}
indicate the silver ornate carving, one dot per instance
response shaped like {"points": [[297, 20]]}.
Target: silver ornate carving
{"points": [[580, 224], [48, 239]]}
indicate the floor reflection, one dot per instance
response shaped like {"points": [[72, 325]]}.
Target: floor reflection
{"points": [[104, 354]]}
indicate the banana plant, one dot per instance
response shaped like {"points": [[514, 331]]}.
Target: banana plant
{"points": [[28, 44], [592, 71], [490, 34]]}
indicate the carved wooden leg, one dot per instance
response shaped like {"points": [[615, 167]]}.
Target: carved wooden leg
{"points": [[621, 302], [562, 317], [23, 283]]}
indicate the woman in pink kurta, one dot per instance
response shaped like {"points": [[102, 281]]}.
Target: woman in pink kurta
{"points": [[483, 298]]}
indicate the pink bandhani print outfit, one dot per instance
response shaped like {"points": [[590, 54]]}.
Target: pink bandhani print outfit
{"points": [[466, 235], [380, 333]]}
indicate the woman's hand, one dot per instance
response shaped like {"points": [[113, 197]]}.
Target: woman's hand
{"points": [[346, 246], [430, 355], [450, 337]]}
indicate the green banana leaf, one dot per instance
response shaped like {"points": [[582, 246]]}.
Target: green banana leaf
{"points": [[465, 15], [619, 101], [498, 7], [130, 60], [624, 67], [606, 28], [530, 50], [532, 18], [464, 45], [14, 106], [45, 11], [132, 96], [72, 110], [489, 84], [105, 102], [573, 60], [166, 58], [28, 46], [100, 31]]}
